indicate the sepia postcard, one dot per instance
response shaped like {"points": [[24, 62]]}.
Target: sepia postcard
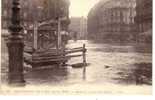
{"points": [[76, 47]]}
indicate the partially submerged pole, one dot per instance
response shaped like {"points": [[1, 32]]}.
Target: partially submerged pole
{"points": [[84, 61], [15, 48]]}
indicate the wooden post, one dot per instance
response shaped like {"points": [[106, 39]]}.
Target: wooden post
{"points": [[84, 53], [15, 48], [84, 61], [63, 55]]}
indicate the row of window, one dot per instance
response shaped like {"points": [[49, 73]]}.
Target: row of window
{"points": [[115, 29], [118, 16], [127, 20]]}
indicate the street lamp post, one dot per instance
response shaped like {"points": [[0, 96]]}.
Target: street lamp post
{"points": [[15, 48]]}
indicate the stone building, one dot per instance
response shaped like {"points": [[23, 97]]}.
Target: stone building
{"points": [[35, 10], [143, 20], [78, 26], [112, 20], [144, 15]]}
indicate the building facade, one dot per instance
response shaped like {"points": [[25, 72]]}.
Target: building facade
{"points": [[143, 20], [144, 15], [36, 10], [112, 20], [78, 26]]}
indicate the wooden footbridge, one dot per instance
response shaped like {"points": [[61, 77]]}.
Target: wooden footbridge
{"points": [[44, 46]]}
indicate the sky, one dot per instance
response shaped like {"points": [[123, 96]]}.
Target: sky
{"points": [[79, 8]]}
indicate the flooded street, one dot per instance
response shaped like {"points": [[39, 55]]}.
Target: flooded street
{"points": [[111, 67], [106, 64], [111, 63]]}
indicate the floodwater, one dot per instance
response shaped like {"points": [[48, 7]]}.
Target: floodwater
{"points": [[106, 64], [124, 65]]}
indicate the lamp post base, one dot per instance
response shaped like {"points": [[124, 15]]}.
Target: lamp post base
{"points": [[15, 50], [16, 79]]}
